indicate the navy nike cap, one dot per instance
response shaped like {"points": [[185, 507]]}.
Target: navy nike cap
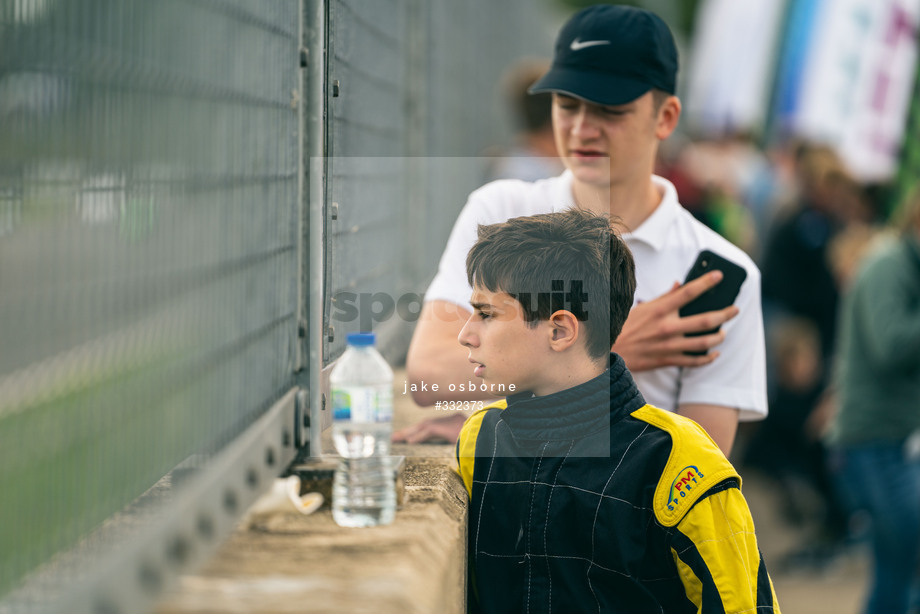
{"points": [[612, 54]]}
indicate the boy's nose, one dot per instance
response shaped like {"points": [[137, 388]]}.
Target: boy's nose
{"points": [[584, 124], [467, 338]]}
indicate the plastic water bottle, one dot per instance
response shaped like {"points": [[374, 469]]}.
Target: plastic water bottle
{"points": [[363, 488]]}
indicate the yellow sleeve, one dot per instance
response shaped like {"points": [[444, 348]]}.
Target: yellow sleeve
{"points": [[466, 444], [718, 559], [713, 543]]}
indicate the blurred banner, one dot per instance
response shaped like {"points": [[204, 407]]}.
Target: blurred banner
{"points": [[845, 78], [731, 65], [836, 71]]}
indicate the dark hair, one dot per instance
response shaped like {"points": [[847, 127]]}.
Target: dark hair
{"points": [[569, 260], [532, 112], [535, 111]]}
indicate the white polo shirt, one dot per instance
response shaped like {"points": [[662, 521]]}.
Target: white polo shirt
{"points": [[664, 247]]}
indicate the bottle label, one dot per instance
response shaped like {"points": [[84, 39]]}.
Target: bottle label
{"points": [[362, 404]]}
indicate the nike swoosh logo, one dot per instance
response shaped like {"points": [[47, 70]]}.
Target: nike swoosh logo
{"points": [[577, 44]]}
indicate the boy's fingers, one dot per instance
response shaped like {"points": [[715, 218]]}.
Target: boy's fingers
{"points": [[412, 434], [404, 435], [440, 429], [436, 433], [679, 344], [679, 359], [685, 360], [426, 435], [701, 343], [706, 321], [401, 435], [692, 289]]}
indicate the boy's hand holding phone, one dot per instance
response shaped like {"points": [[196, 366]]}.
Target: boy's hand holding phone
{"points": [[655, 334], [721, 296]]}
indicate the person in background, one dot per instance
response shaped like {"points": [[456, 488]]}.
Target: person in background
{"points": [[875, 432], [613, 80], [797, 276], [533, 155], [787, 446]]}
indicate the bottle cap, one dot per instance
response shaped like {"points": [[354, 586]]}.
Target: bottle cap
{"points": [[361, 339]]}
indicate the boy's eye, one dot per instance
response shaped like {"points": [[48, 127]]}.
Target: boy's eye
{"points": [[568, 105], [614, 111], [484, 316]]}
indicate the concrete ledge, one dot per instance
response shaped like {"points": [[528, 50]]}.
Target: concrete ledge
{"points": [[292, 563]]}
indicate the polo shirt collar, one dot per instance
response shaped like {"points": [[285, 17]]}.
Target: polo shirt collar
{"points": [[653, 231]]}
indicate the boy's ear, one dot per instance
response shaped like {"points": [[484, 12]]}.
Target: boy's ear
{"points": [[668, 116], [565, 330]]}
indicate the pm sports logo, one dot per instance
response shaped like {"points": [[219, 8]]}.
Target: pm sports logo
{"points": [[688, 478]]}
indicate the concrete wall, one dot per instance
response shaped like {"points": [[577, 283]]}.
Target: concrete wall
{"points": [[305, 564]]}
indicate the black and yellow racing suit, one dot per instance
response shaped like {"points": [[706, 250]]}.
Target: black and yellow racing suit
{"points": [[590, 500]]}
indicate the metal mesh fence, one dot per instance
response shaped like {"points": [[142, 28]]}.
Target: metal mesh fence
{"points": [[148, 198], [415, 105], [153, 277]]}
